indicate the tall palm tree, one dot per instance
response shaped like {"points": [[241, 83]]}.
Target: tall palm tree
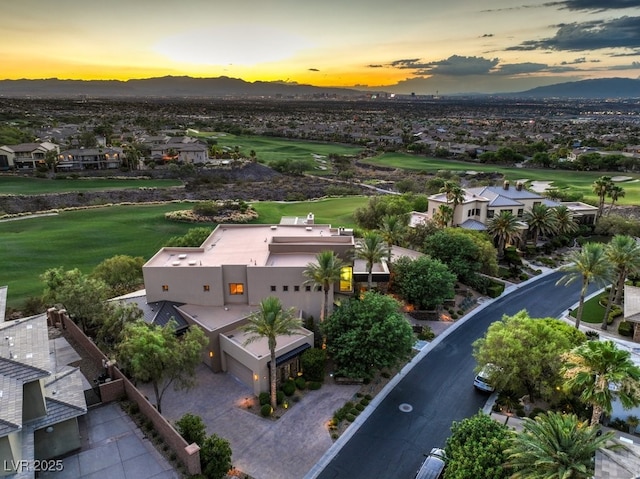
{"points": [[324, 273], [392, 229], [541, 220], [270, 322], [443, 216], [601, 187], [455, 195], [615, 193], [588, 265], [623, 252], [602, 373], [565, 222], [372, 249], [505, 229], [554, 446]]}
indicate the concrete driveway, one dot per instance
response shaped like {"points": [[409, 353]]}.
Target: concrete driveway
{"points": [[286, 448]]}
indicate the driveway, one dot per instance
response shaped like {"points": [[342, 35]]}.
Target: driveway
{"points": [[285, 448], [113, 447]]}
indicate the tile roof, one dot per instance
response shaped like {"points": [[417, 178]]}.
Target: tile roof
{"points": [[24, 348], [10, 405], [473, 225]]}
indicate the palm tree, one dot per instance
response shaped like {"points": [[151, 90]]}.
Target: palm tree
{"points": [[565, 222], [270, 322], [443, 216], [590, 264], [602, 373], [372, 249], [541, 220], [615, 193], [505, 228], [554, 446], [392, 229], [324, 272], [601, 187], [455, 195], [623, 252]]}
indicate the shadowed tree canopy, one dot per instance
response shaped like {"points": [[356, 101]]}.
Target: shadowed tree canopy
{"points": [[424, 282], [122, 273], [155, 355], [366, 335], [526, 352]]}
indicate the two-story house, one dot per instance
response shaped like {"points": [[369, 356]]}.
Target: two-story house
{"points": [[217, 285], [39, 407], [25, 155], [90, 159]]}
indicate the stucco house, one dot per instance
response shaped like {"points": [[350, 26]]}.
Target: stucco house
{"points": [[39, 408], [632, 309], [219, 284], [90, 159], [25, 155], [481, 204]]}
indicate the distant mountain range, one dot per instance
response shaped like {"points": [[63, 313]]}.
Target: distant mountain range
{"points": [[221, 87]]}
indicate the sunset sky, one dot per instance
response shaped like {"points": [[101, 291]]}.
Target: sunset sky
{"points": [[421, 46]]}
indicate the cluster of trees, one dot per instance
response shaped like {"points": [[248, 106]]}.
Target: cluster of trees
{"points": [[602, 264], [544, 358]]}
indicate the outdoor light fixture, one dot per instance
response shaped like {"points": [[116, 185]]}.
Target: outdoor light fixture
{"points": [[49, 429]]}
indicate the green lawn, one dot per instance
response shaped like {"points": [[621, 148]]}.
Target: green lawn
{"points": [[82, 239], [580, 181], [17, 185], [592, 311], [269, 149]]}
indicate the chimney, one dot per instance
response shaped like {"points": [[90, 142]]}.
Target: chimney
{"points": [[505, 185], [310, 219], [519, 186]]}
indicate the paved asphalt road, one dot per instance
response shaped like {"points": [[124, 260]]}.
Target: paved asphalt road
{"points": [[391, 443]]}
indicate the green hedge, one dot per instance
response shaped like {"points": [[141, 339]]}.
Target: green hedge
{"points": [[625, 328]]}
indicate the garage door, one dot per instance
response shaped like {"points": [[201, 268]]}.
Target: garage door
{"points": [[239, 370]]}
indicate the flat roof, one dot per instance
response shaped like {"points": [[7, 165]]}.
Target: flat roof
{"points": [[260, 347], [249, 245], [216, 317]]}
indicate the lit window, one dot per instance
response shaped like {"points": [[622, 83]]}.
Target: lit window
{"points": [[285, 288], [346, 278], [206, 287], [236, 288], [165, 287]]}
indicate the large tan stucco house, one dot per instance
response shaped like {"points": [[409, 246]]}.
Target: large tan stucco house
{"points": [[481, 204], [217, 285], [39, 407]]}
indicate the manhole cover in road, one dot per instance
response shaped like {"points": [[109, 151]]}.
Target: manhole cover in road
{"points": [[404, 407]]}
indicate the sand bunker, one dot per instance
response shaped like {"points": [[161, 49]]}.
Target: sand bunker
{"points": [[540, 186]]}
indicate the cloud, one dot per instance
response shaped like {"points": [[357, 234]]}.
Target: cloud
{"points": [[599, 5], [520, 68], [621, 32], [487, 35], [455, 65], [632, 66], [575, 62], [408, 63], [376, 66], [629, 54], [313, 70]]}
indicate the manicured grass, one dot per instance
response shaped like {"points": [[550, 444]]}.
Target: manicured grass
{"points": [[82, 239], [580, 181], [592, 312], [269, 149], [18, 185]]}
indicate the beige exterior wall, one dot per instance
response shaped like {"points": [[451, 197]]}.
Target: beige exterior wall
{"points": [[10, 450], [185, 284], [33, 403], [64, 438]]}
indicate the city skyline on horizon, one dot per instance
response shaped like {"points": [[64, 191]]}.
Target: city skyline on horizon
{"points": [[489, 47]]}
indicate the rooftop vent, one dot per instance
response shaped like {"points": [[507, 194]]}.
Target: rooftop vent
{"points": [[175, 263], [308, 228], [182, 256], [192, 262], [274, 227]]}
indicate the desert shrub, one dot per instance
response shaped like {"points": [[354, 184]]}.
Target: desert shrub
{"points": [[359, 407], [354, 411], [350, 417], [314, 385], [614, 313], [592, 335], [192, 428], [364, 401], [289, 388], [215, 457], [535, 412], [619, 424], [313, 363], [266, 410], [206, 208], [263, 398], [279, 397], [301, 382], [426, 333], [625, 328], [495, 290], [368, 396]]}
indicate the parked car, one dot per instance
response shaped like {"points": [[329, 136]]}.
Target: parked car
{"points": [[482, 381], [432, 466]]}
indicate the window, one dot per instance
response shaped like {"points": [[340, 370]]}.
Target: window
{"points": [[346, 279], [273, 288], [296, 288], [285, 288], [307, 288], [236, 288], [537, 203], [165, 287], [205, 287], [490, 213], [318, 288], [520, 212]]}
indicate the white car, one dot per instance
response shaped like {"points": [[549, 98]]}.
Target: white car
{"points": [[432, 466], [482, 381]]}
